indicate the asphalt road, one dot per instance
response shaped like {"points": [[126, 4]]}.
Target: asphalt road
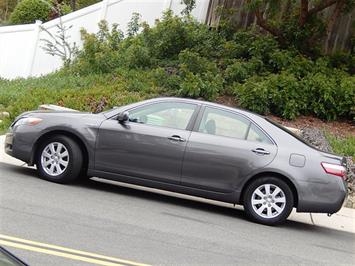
{"points": [[146, 227]]}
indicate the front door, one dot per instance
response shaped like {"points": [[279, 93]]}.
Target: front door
{"points": [[150, 145]]}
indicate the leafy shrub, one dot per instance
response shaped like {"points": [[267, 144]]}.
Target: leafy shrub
{"points": [[28, 11], [174, 34], [137, 56], [239, 71], [327, 97], [99, 53], [193, 62], [345, 61], [280, 94], [205, 85], [85, 3], [330, 97], [185, 58], [254, 95]]}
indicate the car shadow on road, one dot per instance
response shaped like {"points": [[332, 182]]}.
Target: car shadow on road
{"points": [[163, 197]]}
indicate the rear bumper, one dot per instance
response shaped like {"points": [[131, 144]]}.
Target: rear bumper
{"points": [[323, 198]]}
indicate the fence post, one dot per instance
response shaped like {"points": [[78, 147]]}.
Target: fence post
{"points": [[33, 50], [103, 11], [168, 4], [202, 16]]}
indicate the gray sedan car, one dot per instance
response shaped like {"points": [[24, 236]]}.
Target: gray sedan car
{"points": [[187, 146]]}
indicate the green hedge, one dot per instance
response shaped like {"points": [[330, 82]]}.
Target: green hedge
{"points": [[191, 60], [28, 11]]}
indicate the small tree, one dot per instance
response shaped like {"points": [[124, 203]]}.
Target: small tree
{"points": [[301, 24], [58, 45], [28, 11], [6, 8], [189, 6], [134, 25]]}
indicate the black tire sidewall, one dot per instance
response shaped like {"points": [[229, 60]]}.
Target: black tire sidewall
{"points": [[268, 180], [74, 167]]}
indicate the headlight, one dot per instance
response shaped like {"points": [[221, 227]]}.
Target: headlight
{"points": [[29, 121]]}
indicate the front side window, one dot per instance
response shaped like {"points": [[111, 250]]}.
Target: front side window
{"points": [[165, 114], [223, 123]]}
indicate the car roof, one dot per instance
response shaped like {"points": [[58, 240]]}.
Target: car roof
{"points": [[201, 102], [249, 114]]}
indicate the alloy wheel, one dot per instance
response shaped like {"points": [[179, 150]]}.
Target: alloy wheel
{"points": [[55, 158], [268, 201]]}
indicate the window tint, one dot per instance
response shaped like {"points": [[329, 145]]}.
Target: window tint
{"points": [[255, 134], [167, 114], [223, 123]]}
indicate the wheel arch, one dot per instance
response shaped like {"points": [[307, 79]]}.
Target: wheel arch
{"points": [[71, 135], [271, 174]]}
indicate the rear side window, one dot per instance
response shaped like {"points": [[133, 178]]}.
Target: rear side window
{"points": [[223, 123], [255, 134]]}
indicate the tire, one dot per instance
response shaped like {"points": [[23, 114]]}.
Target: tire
{"points": [[268, 200], [59, 159]]}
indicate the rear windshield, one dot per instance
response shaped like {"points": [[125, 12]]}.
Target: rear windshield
{"points": [[291, 133]]}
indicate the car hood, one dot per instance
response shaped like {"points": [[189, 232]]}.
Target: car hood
{"points": [[51, 112], [48, 113]]}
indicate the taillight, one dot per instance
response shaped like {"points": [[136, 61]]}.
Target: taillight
{"points": [[334, 169]]}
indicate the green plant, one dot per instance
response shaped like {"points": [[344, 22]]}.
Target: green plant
{"points": [[342, 145], [6, 8], [330, 97], [254, 94], [28, 11], [323, 95], [99, 53], [86, 93], [300, 24], [133, 25], [239, 71], [189, 6], [182, 57], [57, 44]]}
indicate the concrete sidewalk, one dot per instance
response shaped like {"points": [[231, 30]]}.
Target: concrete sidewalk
{"points": [[343, 220]]}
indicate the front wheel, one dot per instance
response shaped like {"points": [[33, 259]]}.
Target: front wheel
{"points": [[268, 200], [59, 159]]}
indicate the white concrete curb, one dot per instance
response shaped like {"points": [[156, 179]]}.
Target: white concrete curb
{"points": [[344, 220]]}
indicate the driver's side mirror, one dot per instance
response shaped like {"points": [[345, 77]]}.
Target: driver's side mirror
{"points": [[123, 117]]}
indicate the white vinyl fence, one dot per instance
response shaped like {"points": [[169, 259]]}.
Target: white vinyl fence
{"points": [[21, 52]]}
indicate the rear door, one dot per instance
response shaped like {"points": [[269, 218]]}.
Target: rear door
{"points": [[150, 145], [223, 148]]}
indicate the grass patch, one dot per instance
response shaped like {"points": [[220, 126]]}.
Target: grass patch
{"points": [[342, 145], [85, 93]]}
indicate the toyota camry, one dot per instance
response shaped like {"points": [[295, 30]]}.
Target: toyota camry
{"points": [[186, 146]]}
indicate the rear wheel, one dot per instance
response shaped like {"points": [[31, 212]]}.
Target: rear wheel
{"points": [[268, 200], [59, 159]]}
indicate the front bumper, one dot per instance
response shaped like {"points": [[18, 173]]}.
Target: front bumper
{"points": [[9, 138], [19, 144]]}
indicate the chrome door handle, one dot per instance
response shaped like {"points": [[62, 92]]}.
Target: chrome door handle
{"points": [[260, 151], [177, 138]]}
